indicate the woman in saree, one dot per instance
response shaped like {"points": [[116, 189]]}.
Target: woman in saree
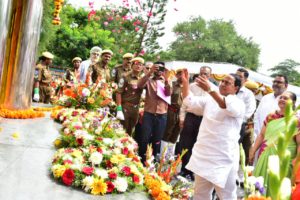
{"points": [[267, 139]]}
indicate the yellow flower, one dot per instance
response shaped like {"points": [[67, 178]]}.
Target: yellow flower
{"points": [[91, 100], [58, 170], [117, 159], [98, 187], [1, 129], [15, 135], [57, 143], [76, 153]]}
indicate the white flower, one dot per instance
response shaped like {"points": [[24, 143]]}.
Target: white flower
{"points": [[108, 141], [131, 147], [86, 92], [87, 183], [96, 158], [121, 184], [285, 189], [273, 164], [98, 130], [260, 180], [76, 166], [61, 118], [66, 131], [101, 173], [86, 125], [118, 143], [67, 157], [117, 151]]}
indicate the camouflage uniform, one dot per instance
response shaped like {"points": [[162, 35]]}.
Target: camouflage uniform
{"points": [[131, 96], [44, 78], [172, 130]]}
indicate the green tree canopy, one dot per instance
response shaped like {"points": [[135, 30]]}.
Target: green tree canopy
{"points": [[213, 41], [287, 68]]}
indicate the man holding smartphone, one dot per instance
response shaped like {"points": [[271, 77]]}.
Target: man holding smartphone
{"points": [[156, 107]]}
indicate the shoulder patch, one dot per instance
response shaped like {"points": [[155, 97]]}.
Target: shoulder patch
{"points": [[121, 83]]}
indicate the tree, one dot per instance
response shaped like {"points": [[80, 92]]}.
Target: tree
{"points": [[213, 41], [76, 36], [287, 68]]}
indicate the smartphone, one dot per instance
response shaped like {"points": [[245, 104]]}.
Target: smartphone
{"points": [[161, 68]]}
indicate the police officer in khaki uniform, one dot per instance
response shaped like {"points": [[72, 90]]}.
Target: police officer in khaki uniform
{"points": [[44, 77], [100, 71], [172, 130], [129, 95], [123, 69]]}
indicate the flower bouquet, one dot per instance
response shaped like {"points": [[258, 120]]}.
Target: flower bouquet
{"points": [[91, 97], [165, 172], [97, 170]]}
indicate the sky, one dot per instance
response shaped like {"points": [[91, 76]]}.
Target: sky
{"points": [[272, 24]]}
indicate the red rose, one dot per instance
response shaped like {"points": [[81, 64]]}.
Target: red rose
{"points": [[75, 113], [126, 170], [99, 150], [112, 175], [136, 179], [87, 170], [109, 164], [110, 186], [79, 141], [68, 177], [125, 151]]}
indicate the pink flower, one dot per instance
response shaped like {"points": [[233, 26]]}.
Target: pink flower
{"points": [[126, 170], [87, 170], [125, 151], [136, 179], [68, 162], [149, 14], [105, 23], [68, 150]]}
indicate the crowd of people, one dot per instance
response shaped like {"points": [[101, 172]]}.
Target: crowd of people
{"points": [[207, 118]]}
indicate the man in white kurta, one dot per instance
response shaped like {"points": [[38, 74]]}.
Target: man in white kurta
{"points": [[215, 155]]}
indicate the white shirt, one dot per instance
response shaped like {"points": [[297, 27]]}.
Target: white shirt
{"points": [[249, 100], [196, 91], [216, 151], [268, 104], [84, 66]]}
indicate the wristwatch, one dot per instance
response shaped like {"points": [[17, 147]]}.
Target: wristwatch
{"points": [[210, 90]]}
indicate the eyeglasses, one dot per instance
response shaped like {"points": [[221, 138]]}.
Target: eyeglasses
{"points": [[227, 83], [278, 82], [96, 54], [284, 98]]}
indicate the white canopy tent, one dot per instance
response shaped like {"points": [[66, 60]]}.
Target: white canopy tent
{"points": [[226, 68]]}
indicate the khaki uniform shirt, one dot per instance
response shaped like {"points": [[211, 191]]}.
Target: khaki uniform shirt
{"points": [[44, 74], [176, 97], [118, 72], [153, 103], [129, 90], [99, 71]]}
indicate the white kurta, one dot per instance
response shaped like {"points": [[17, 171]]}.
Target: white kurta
{"points": [[268, 104], [216, 151], [84, 66]]}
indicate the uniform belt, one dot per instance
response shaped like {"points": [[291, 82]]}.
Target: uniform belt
{"points": [[44, 84], [172, 108], [130, 104]]}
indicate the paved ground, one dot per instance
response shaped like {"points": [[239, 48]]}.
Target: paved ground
{"points": [[25, 164]]}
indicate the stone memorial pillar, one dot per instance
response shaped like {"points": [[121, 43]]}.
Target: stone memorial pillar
{"points": [[20, 24]]}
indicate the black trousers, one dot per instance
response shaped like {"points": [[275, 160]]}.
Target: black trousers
{"points": [[188, 137]]}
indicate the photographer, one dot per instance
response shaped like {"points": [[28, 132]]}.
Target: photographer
{"points": [[158, 95]]}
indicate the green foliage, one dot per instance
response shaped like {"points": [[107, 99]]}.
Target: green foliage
{"points": [[47, 29], [288, 68], [76, 36], [213, 41]]}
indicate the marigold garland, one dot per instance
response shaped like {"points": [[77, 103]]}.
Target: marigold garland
{"points": [[20, 114], [48, 109]]}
